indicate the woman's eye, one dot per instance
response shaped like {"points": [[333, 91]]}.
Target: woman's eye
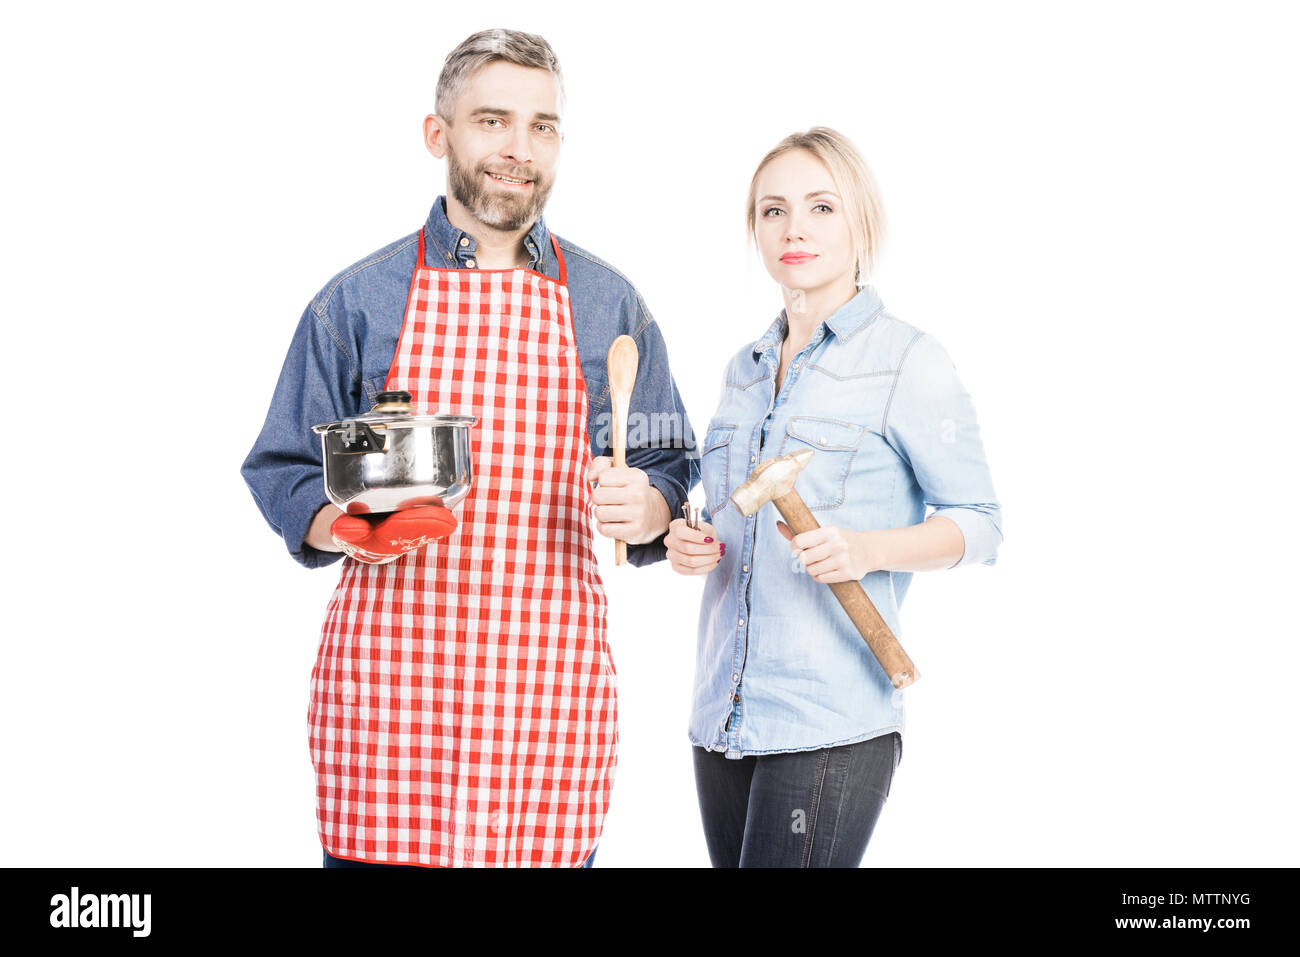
{"points": [[773, 210], [823, 206]]}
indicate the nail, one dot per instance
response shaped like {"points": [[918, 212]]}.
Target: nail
{"points": [[707, 541], [723, 548]]}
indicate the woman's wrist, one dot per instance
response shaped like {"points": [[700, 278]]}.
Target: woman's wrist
{"points": [[866, 552]]}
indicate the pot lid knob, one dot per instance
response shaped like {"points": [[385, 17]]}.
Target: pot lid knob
{"points": [[395, 401]]}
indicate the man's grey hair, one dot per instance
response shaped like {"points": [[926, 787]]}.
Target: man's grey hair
{"points": [[489, 46]]}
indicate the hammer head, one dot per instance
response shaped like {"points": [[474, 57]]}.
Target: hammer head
{"points": [[770, 480]]}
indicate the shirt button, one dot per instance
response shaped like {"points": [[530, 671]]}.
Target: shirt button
{"points": [[744, 568], [464, 240], [735, 677], [752, 458], [742, 621], [824, 442], [469, 263]]}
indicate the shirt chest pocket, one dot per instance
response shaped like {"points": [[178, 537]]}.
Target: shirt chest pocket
{"points": [[834, 443], [715, 465]]}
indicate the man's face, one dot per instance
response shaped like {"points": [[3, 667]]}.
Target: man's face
{"points": [[504, 145]]}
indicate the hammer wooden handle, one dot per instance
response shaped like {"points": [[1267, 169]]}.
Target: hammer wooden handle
{"points": [[882, 642]]}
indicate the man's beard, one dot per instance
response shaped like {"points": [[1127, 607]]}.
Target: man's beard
{"points": [[502, 211]]}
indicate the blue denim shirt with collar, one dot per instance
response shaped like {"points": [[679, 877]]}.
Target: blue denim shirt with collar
{"points": [[780, 666], [344, 343]]}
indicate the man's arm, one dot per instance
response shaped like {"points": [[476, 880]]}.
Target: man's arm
{"points": [[318, 533], [318, 383], [660, 440]]}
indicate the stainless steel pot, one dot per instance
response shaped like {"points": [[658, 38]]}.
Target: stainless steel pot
{"points": [[389, 458]]}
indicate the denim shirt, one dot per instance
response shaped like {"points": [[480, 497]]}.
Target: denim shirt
{"points": [[780, 665], [344, 344]]}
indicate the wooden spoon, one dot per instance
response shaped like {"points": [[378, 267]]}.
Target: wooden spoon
{"points": [[622, 363]]}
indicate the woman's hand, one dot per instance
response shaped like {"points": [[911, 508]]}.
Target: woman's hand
{"points": [[693, 551], [832, 554]]}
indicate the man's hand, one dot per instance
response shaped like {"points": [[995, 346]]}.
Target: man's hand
{"points": [[380, 539], [628, 507], [832, 554]]}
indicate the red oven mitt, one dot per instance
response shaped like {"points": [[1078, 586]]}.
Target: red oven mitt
{"points": [[380, 539]]}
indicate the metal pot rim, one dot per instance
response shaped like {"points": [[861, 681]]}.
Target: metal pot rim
{"points": [[397, 420]]}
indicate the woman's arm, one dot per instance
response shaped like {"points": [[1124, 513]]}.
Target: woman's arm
{"points": [[935, 543], [834, 554], [930, 422]]}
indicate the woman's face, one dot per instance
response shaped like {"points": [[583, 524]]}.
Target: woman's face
{"points": [[801, 227]]}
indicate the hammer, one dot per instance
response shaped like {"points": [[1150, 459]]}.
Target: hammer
{"points": [[773, 481]]}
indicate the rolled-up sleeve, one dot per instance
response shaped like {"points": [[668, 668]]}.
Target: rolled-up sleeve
{"points": [[930, 421], [318, 383], [660, 440]]}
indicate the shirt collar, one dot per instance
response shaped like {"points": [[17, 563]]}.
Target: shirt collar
{"points": [[447, 246], [844, 322]]}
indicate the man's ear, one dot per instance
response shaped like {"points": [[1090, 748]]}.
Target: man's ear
{"points": [[435, 135]]}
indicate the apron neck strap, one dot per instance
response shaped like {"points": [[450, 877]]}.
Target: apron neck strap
{"points": [[555, 244], [559, 257]]}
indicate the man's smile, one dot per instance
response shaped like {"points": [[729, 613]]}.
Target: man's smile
{"points": [[509, 180]]}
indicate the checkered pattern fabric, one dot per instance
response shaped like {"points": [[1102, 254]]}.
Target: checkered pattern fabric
{"points": [[463, 708]]}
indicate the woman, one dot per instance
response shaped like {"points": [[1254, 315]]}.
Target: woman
{"points": [[796, 729]]}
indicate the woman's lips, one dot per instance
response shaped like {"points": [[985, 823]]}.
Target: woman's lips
{"points": [[794, 259]]}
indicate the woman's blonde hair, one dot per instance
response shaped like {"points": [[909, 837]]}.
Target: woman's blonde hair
{"points": [[857, 188]]}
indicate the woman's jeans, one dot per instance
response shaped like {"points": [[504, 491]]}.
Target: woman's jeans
{"points": [[795, 809], [331, 861]]}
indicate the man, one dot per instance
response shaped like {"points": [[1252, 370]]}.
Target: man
{"points": [[463, 709]]}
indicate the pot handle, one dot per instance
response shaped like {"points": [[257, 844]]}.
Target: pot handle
{"points": [[359, 438]]}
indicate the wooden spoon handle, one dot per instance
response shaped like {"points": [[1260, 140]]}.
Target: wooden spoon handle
{"points": [[620, 460], [621, 364]]}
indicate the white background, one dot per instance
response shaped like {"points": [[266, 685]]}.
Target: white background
{"points": [[1092, 206]]}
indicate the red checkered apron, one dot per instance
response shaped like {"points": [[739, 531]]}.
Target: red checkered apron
{"points": [[463, 705]]}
